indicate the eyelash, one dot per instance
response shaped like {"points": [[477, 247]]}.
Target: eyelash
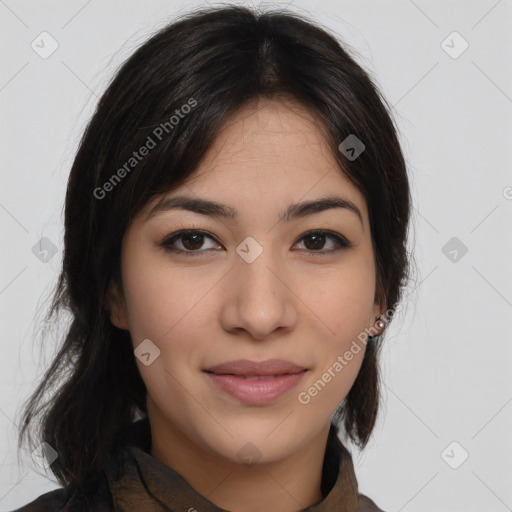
{"points": [[166, 243]]}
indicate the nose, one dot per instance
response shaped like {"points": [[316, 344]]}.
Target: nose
{"points": [[258, 299]]}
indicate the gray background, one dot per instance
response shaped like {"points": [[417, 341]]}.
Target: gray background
{"points": [[445, 363]]}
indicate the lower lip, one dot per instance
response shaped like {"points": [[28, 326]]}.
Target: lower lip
{"points": [[256, 391]]}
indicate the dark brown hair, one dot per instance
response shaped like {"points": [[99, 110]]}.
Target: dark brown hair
{"points": [[216, 60]]}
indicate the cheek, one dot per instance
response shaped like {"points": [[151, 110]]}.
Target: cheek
{"points": [[163, 305], [160, 297], [343, 299], [345, 311], [343, 304], [151, 305]]}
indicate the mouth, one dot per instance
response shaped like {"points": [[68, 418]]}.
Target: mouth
{"points": [[253, 377], [246, 368], [256, 383]]}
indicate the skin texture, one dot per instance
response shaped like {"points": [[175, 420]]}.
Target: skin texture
{"points": [[289, 303]]}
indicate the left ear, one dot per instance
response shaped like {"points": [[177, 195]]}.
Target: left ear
{"points": [[378, 315]]}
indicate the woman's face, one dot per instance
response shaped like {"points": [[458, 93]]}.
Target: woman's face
{"points": [[251, 286]]}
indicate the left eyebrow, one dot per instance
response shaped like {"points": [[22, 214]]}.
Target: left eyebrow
{"points": [[215, 209]]}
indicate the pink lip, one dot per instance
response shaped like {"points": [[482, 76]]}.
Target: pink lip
{"points": [[269, 379], [258, 391], [248, 368]]}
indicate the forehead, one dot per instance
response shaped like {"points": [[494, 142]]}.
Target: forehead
{"points": [[267, 155], [272, 142], [270, 132]]}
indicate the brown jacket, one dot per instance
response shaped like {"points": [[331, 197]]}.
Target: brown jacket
{"points": [[138, 482]]}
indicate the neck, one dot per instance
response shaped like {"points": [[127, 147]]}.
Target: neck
{"points": [[284, 485]]}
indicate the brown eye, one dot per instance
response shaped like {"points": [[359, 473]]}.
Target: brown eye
{"points": [[192, 241], [189, 242], [316, 240]]}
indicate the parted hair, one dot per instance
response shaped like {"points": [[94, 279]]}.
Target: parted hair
{"points": [[215, 60]]}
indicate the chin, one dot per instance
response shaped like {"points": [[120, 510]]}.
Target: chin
{"points": [[269, 442]]}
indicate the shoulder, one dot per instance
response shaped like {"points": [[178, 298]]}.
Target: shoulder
{"points": [[54, 500], [96, 497], [367, 505]]}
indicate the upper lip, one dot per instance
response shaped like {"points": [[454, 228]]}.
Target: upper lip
{"points": [[253, 368]]}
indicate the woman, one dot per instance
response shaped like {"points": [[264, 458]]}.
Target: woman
{"points": [[235, 245]]}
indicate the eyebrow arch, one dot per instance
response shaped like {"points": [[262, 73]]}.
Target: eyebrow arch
{"points": [[215, 209]]}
